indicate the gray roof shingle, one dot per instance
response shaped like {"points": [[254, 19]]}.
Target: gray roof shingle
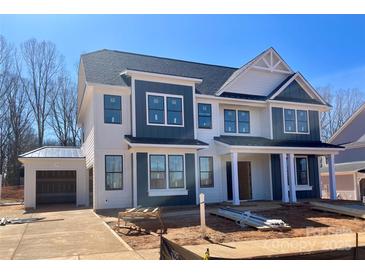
{"points": [[54, 152], [261, 141], [164, 141], [105, 66]]}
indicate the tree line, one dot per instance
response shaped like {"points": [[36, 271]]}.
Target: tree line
{"points": [[37, 97], [38, 103]]}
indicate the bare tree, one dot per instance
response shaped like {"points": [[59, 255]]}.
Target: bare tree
{"points": [[63, 113], [5, 71], [20, 128], [43, 63], [344, 103]]}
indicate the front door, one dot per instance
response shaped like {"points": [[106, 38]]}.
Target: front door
{"points": [[244, 180]]}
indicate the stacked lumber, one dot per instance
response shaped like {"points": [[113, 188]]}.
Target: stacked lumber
{"points": [[247, 218], [340, 209], [139, 213]]}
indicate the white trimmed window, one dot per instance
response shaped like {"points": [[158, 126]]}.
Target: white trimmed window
{"points": [[166, 175], [296, 121], [206, 171], [301, 170], [165, 109]]}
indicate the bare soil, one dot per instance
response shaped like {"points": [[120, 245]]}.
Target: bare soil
{"points": [[182, 226], [12, 194]]}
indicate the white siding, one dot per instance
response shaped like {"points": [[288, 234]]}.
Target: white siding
{"points": [[109, 140], [256, 82], [32, 165]]}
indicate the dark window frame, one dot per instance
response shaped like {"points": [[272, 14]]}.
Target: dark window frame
{"points": [[181, 171], [174, 111], [150, 171], [205, 116], [244, 122], [156, 109], [209, 172], [107, 172], [228, 121], [301, 171], [290, 120], [302, 121], [112, 109]]}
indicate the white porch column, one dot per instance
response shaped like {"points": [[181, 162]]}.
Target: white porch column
{"points": [[332, 176], [284, 178], [235, 186], [292, 187]]}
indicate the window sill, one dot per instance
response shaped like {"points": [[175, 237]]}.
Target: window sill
{"points": [[303, 188], [167, 192]]}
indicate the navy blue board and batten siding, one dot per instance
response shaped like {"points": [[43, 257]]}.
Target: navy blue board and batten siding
{"points": [[143, 199], [278, 127], [157, 131], [302, 194]]}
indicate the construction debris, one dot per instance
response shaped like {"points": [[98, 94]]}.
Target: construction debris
{"points": [[5, 221], [349, 210], [246, 218], [139, 213]]}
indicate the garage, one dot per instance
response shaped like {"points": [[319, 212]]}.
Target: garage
{"points": [[55, 175], [55, 186]]}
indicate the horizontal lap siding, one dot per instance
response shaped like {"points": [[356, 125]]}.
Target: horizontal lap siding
{"points": [[155, 131], [142, 184], [278, 127]]}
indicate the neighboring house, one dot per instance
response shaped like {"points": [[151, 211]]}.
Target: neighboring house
{"points": [[159, 131], [350, 164]]}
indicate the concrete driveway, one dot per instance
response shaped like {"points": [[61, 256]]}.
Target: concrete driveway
{"points": [[63, 234]]}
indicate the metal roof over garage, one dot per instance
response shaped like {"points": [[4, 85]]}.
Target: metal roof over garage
{"points": [[54, 152], [347, 167]]}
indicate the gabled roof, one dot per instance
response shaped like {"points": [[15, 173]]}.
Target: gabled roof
{"points": [[348, 122], [105, 66], [261, 57], [316, 97], [54, 152]]}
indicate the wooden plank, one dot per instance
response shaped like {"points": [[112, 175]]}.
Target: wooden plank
{"points": [[339, 209], [274, 247]]}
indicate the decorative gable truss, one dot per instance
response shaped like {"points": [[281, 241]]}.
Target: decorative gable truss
{"points": [[271, 61], [298, 88], [259, 76]]}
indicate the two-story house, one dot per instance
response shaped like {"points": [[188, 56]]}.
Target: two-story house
{"points": [[159, 131], [349, 164]]}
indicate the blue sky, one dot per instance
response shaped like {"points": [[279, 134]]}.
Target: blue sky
{"points": [[327, 49]]}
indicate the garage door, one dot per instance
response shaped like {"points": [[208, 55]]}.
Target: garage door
{"points": [[56, 186]]}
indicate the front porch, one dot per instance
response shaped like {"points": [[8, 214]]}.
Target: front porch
{"points": [[293, 167]]}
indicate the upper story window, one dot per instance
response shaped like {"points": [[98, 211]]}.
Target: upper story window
{"points": [[243, 121], [296, 121], [204, 115], [165, 110], [112, 109], [156, 109], [230, 121], [236, 119], [113, 172]]}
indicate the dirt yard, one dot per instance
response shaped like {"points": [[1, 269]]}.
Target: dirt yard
{"points": [[183, 225], [12, 194]]}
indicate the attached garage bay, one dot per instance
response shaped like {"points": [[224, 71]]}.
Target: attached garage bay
{"points": [[55, 175], [55, 186]]}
